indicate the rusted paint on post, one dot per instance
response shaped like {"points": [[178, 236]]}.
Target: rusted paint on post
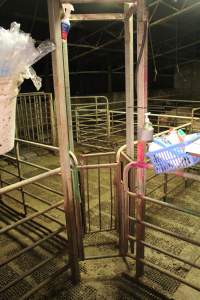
{"points": [[126, 207], [54, 10], [142, 69], [142, 98], [129, 77]]}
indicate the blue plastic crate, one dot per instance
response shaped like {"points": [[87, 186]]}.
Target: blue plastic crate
{"points": [[173, 157]]}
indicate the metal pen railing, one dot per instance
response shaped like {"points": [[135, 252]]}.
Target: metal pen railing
{"points": [[133, 240], [35, 118]]}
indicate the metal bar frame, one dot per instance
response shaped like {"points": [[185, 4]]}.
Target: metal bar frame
{"points": [[54, 20], [139, 219], [36, 117]]}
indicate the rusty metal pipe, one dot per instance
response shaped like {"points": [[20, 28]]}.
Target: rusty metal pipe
{"points": [[49, 236], [9, 227], [165, 231], [29, 181], [178, 278]]}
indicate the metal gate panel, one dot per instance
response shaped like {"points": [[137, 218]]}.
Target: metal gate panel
{"points": [[98, 193], [35, 118]]}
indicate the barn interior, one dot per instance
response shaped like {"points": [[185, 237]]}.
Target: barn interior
{"points": [[83, 215]]}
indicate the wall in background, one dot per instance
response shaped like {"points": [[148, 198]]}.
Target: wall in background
{"points": [[187, 80]]}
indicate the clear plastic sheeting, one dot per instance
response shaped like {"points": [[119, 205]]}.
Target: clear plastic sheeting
{"points": [[18, 51], [17, 54], [37, 81]]}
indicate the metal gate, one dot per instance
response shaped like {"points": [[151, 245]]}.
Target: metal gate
{"points": [[91, 120], [36, 118], [97, 173], [141, 234]]}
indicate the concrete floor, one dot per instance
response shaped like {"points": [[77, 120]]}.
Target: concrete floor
{"points": [[101, 279]]}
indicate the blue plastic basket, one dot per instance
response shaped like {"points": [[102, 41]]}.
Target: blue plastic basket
{"points": [[173, 157]]}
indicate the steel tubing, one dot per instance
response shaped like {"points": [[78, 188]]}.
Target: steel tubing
{"points": [[29, 181], [12, 226]]}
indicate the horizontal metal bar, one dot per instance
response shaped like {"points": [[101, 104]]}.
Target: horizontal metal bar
{"points": [[98, 154], [130, 237], [39, 213], [41, 200], [165, 231], [48, 147], [45, 282], [94, 1], [29, 181], [131, 256], [26, 163], [156, 188], [168, 273], [98, 166], [29, 272], [34, 183], [34, 245], [33, 226], [169, 254], [30, 207], [151, 177], [45, 187], [101, 257], [93, 146], [126, 156], [39, 145], [97, 17], [175, 188], [10, 173], [122, 148], [176, 277], [189, 101], [102, 230], [157, 115], [187, 175], [171, 206], [51, 218], [12, 214]]}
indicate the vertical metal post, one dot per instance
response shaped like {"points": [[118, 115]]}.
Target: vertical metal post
{"points": [[78, 138], [142, 69], [82, 191], [54, 10], [158, 124], [17, 153], [120, 210], [111, 196], [165, 186], [52, 120], [1, 185], [142, 90], [31, 118], [67, 94], [129, 78], [108, 130], [126, 207], [71, 145], [96, 103]]}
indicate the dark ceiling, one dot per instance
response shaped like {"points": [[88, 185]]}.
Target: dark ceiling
{"points": [[96, 47]]}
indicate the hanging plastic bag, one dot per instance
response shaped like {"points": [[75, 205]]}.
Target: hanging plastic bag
{"points": [[17, 54]]}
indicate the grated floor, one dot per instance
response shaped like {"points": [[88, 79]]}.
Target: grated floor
{"points": [[101, 279]]}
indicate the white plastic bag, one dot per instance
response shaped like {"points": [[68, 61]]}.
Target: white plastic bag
{"points": [[17, 54]]}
